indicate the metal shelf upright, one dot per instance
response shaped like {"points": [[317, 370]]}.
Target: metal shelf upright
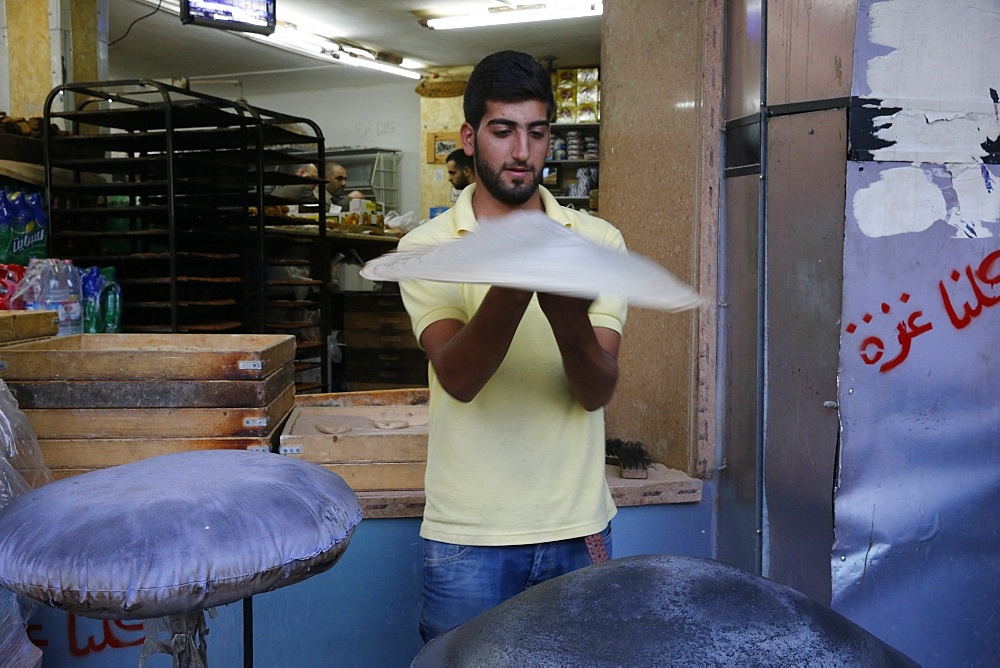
{"points": [[171, 187]]}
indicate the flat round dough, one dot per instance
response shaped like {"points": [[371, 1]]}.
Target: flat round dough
{"points": [[333, 428], [341, 424], [392, 424], [530, 251]]}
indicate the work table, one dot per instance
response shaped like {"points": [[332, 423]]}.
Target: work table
{"points": [[661, 486]]}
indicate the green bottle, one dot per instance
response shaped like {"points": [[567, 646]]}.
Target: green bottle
{"points": [[111, 302], [6, 230]]}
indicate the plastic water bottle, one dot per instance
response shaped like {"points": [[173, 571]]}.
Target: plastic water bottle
{"points": [[54, 285], [69, 303]]}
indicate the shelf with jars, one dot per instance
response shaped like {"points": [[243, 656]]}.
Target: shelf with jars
{"points": [[572, 169]]}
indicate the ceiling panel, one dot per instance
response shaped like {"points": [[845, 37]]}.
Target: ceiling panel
{"points": [[144, 43]]}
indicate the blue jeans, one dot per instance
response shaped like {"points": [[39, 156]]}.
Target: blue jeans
{"points": [[461, 581]]}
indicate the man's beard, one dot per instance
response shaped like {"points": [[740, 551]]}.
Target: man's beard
{"points": [[514, 194]]}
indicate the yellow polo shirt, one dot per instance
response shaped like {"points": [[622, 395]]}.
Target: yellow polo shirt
{"points": [[523, 462]]}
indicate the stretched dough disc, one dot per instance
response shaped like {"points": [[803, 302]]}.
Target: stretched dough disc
{"points": [[391, 424], [341, 424], [328, 428], [530, 251]]}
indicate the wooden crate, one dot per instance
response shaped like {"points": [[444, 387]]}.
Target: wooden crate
{"points": [[161, 422], [381, 476], [387, 397], [148, 357], [67, 457], [21, 326], [152, 393], [371, 447], [380, 349], [99, 400]]}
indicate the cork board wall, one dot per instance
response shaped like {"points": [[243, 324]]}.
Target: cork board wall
{"points": [[441, 116], [89, 49], [651, 179], [30, 59]]}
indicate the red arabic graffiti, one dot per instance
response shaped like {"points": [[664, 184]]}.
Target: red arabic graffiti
{"points": [[984, 274], [976, 287], [32, 629], [109, 640], [873, 348]]}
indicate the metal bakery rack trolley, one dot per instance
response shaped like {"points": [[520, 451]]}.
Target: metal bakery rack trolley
{"points": [[171, 187]]}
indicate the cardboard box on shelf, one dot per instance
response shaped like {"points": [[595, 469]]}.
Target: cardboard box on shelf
{"points": [[360, 212], [577, 95]]}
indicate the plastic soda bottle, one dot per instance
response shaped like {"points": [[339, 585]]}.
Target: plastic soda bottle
{"points": [[111, 301], [6, 230]]}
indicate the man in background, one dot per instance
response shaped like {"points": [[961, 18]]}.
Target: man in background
{"points": [[336, 180], [461, 169], [301, 193]]}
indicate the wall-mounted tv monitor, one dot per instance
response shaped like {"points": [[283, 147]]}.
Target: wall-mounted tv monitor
{"points": [[239, 15]]}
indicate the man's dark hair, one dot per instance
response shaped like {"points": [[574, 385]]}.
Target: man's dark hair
{"points": [[506, 76], [461, 160]]}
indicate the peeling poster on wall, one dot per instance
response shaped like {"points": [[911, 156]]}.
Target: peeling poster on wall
{"points": [[916, 558]]}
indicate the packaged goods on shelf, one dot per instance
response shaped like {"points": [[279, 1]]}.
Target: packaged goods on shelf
{"points": [[360, 212], [577, 95], [23, 226], [565, 78]]}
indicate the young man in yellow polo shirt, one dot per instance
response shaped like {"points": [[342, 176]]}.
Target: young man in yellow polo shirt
{"points": [[515, 480]]}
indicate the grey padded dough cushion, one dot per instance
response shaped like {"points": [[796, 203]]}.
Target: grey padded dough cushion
{"points": [[657, 610], [175, 533]]}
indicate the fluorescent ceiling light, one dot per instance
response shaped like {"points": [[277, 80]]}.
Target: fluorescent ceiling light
{"points": [[517, 15], [302, 39], [358, 61], [411, 64], [288, 41], [172, 6], [299, 41], [289, 37], [321, 48]]}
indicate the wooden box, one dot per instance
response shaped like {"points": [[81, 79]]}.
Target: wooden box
{"points": [[416, 396], [98, 400], [148, 357], [70, 456], [142, 423], [22, 326], [151, 393], [371, 447]]}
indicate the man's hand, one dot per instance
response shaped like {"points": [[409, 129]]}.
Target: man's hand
{"points": [[465, 357], [558, 307], [589, 354]]}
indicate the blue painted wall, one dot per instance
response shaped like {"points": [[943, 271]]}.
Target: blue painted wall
{"points": [[362, 612]]}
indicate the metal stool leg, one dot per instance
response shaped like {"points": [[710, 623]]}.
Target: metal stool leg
{"points": [[185, 640]]}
